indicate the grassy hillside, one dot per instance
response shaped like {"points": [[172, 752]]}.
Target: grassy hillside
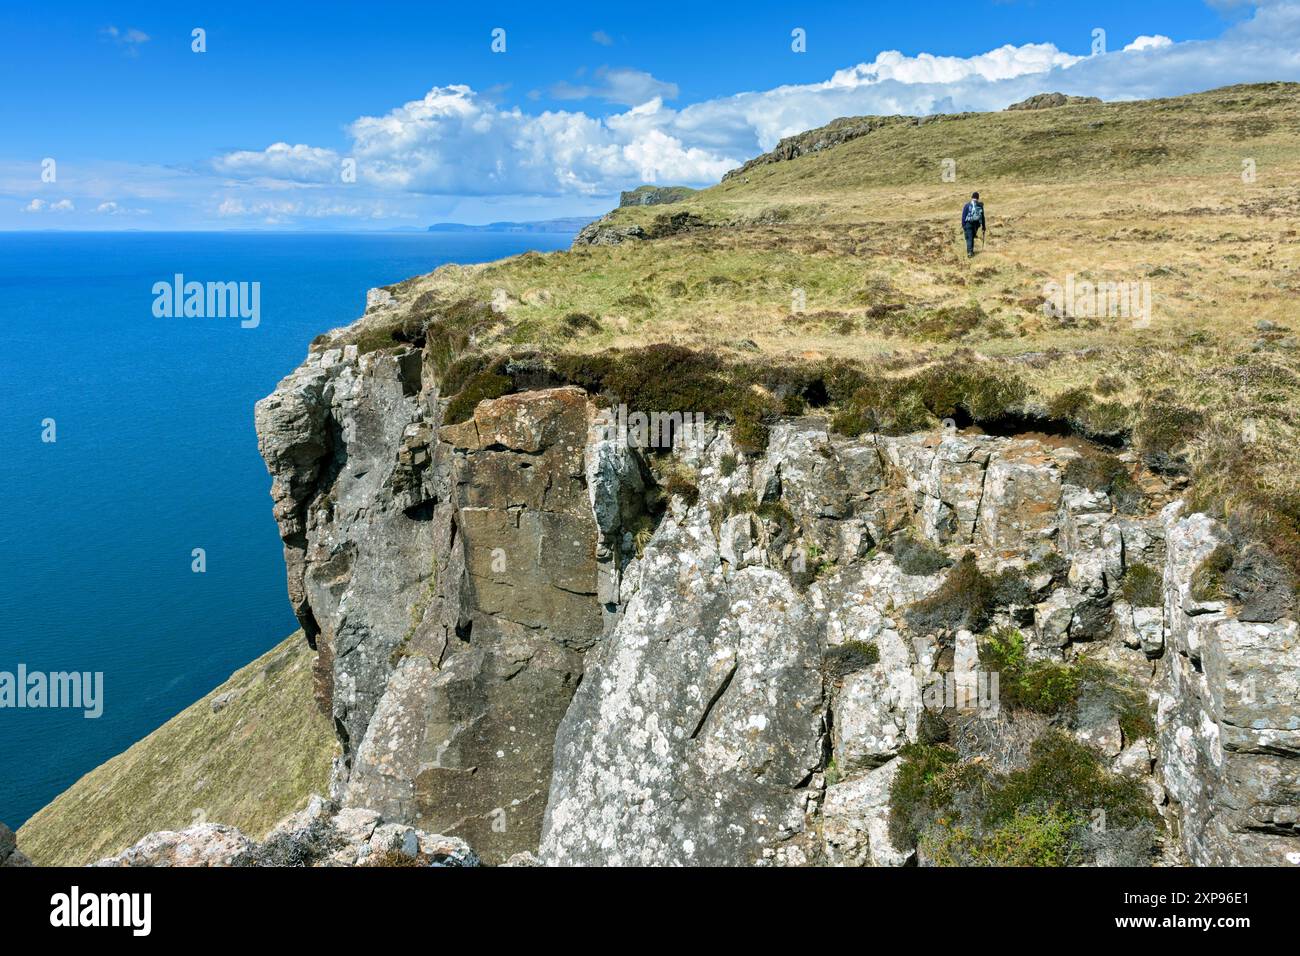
{"points": [[248, 764], [851, 256]]}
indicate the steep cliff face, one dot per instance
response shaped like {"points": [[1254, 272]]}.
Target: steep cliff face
{"points": [[529, 642], [448, 580]]}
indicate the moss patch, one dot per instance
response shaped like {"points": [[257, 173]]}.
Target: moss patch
{"points": [[851, 656]]}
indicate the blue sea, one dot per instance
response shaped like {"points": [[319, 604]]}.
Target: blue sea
{"points": [[155, 455]]}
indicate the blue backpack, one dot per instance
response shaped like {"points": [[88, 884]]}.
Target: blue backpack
{"points": [[974, 212]]}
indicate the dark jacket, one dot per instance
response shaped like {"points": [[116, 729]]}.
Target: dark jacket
{"points": [[978, 217]]}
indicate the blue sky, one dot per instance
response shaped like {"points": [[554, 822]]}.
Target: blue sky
{"points": [[256, 131]]}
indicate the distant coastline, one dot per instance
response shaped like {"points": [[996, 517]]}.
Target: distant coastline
{"points": [[567, 224]]}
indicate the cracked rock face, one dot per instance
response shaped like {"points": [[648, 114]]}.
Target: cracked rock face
{"points": [[1228, 715], [448, 579], [698, 725], [524, 646]]}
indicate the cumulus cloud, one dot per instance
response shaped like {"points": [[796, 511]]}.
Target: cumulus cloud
{"points": [[1003, 63], [455, 141], [603, 38], [36, 205], [1150, 43], [300, 163]]}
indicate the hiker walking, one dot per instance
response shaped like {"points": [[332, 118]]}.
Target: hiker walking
{"points": [[972, 221]]}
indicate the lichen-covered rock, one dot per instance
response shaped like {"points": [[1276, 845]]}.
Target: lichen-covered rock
{"points": [[855, 821], [675, 749], [604, 233], [1022, 492], [1228, 721], [205, 844], [876, 712], [319, 835], [526, 643]]}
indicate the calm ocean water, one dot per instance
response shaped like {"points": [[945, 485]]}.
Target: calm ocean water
{"points": [[155, 456]]}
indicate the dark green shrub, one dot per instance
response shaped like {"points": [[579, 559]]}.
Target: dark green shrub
{"points": [[1208, 580], [850, 656], [1045, 687], [916, 556], [1142, 586], [1068, 775], [922, 790], [483, 386], [965, 599]]}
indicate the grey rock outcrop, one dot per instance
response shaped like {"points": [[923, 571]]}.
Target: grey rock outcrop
{"points": [[204, 844], [1047, 101], [319, 835], [10, 855], [448, 578], [1228, 716], [654, 195], [602, 232]]}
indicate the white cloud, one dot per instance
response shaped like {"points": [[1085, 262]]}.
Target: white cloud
{"points": [[114, 208], [40, 205], [1149, 43], [603, 38], [299, 163], [1003, 63]]}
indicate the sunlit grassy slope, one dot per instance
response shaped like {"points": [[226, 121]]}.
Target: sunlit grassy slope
{"points": [[1143, 192], [248, 764]]}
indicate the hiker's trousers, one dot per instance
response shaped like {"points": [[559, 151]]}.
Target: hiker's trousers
{"points": [[971, 228]]}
